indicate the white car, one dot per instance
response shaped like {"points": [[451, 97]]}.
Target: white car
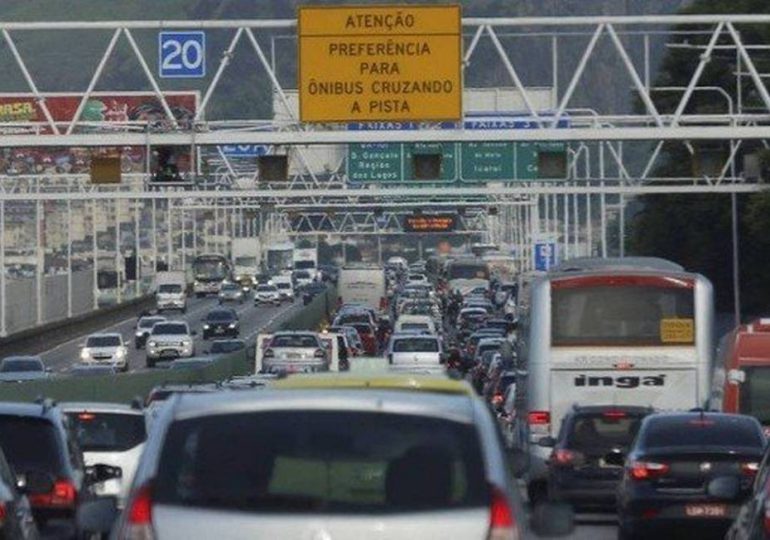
{"points": [[267, 294], [414, 350], [109, 434], [169, 340], [285, 288], [105, 349]]}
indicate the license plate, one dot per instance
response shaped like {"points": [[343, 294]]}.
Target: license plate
{"points": [[219, 330], [293, 356], [705, 510]]}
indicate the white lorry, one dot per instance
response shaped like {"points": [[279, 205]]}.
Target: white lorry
{"points": [[362, 284], [246, 255], [171, 291], [306, 259]]}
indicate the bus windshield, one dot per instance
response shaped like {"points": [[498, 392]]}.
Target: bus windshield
{"points": [[210, 268], [622, 315], [470, 270]]}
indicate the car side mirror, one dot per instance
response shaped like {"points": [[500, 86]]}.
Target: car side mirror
{"points": [[34, 482], [615, 458], [100, 472], [97, 516], [724, 487], [546, 442], [553, 519]]}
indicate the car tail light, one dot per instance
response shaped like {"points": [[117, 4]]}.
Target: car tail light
{"points": [[3, 513], [750, 468], [614, 415], [269, 353], [647, 470], [502, 524], [138, 523], [539, 424], [62, 495], [564, 457]]}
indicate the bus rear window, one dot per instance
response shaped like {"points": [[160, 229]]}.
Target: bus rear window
{"points": [[622, 315]]}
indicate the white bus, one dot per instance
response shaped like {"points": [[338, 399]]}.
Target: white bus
{"points": [[632, 331]]}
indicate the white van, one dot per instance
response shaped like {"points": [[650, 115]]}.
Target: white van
{"points": [[285, 288]]}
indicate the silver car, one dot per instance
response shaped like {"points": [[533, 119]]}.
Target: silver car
{"points": [[22, 368], [335, 464], [231, 292], [295, 352], [169, 340]]}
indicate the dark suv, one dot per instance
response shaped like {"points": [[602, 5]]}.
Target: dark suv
{"points": [[578, 471], [38, 445], [221, 322]]}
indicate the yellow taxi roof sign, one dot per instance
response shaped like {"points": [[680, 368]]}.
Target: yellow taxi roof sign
{"points": [[413, 382]]}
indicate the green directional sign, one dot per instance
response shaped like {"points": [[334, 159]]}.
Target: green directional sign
{"points": [[486, 161], [448, 160], [375, 162], [475, 162]]}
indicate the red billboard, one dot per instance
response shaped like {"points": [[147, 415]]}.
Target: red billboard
{"points": [[123, 107]]}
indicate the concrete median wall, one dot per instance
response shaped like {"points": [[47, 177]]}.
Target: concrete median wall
{"points": [[21, 299]]}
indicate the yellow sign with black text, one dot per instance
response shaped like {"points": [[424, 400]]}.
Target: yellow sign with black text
{"points": [[677, 331], [380, 63]]}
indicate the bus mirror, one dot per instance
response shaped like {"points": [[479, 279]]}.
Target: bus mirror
{"points": [[736, 376]]}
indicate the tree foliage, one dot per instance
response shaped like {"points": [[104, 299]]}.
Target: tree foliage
{"points": [[696, 230]]}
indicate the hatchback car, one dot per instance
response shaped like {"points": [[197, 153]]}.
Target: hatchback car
{"points": [[105, 349], [231, 292], [221, 323], [676, 460], [578, 469], [112, 434], [22, 368], [324, 464], [267, 294], [143, 328]]}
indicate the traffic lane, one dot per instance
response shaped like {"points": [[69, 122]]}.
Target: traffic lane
{"points": [[62, 357]]}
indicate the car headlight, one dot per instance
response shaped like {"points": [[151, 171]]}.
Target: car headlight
{"points": [[139, 334], [206, 327], [152, 344], [85, 354], [120, 353], [232, 325]]}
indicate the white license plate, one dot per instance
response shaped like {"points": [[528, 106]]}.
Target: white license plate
{"points": [[705, 510]]}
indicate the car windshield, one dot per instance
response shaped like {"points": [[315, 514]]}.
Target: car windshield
{"points": [[21, 364], [149, 322], [699, 431], [103, 341], [169, 329], [266, 288], [322, 462], [219, 347], [170, 288], [415, 345], [231, 287], [301, 341], [302, 274], [30, 444], [107, 432], [595, 434], [220, 315], [283, 285]]}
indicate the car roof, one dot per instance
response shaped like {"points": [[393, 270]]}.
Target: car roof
{"points": [[105, 334], [99, 406], [388, 381], [457, 407], [47, 409]]}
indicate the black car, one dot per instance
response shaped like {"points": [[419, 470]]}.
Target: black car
{"points": [[312, 290], [688, 469], [45, 456], [221, 322], [578, 469], [143, 328], [753, 521]]}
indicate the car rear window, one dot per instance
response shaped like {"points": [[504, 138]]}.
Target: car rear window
{"points": [[735, 431], [295, 341], [108, 432], [596, 433], [20, 364], [415, 326], [321, 462], [415, 345], [31, 444]]}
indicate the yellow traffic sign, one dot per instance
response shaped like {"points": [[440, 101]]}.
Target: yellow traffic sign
{"points": [[380, 63]]}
